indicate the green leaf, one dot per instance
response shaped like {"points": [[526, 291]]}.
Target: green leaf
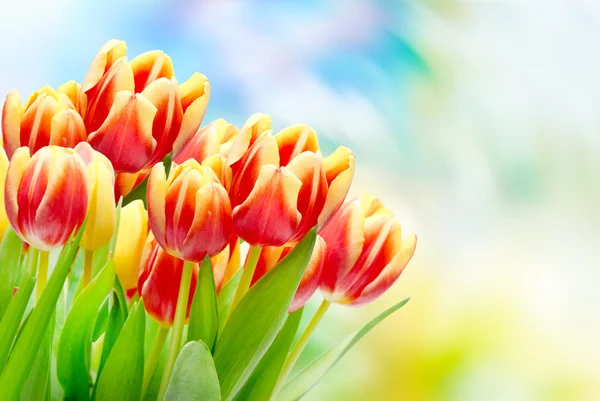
{"points": [[74, 346], [9, 326], [307, 378], [261, 383], [26, 348], [255, 322], [37, 385], [101, 321], [98, 262], [194, 376], [204, 321], [225, 299], [10, 256], [123, 371]]}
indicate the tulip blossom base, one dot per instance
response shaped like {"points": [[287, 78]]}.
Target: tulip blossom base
{"points": [[149, 256]]}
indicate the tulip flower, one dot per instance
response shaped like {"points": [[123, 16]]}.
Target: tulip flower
{"points": [[159, 283], [3, 167], [270, 256], [131, 239], [46, 195], [135, 110], [190, 212], [281, 187], [48, 117], [365, 252]]}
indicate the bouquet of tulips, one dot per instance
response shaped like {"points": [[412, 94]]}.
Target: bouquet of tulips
{"points": [[147, 257]]}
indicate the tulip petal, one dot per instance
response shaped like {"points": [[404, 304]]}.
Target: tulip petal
{"points": [[389, 274], [339, 170], [211, 228], [71, 89], [295, 140], [108, 54], [99, 100], [14, 175], [36, 123], [217, 164], [308, 167], [268, 258], [269, 216], [204, 143], [11, 122], [254, 127], [370, 204], [60, 203], [150, 66], [163, 94], [312, 275], [194, 94], [246, 171], [67, 129], [156, 193], [3, 170], [125, 182], [345, 238], [126, 135]]}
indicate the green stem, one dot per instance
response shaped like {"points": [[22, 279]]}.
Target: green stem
{"points": [[293, 356], [152, 361], [88, 260], [248, 272], [178, 323], [42, 277]]}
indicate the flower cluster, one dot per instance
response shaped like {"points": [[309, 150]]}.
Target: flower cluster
{"points": [[73, 153]]}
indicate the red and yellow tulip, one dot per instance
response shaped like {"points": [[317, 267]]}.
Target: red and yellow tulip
{"points": [[48, 117], [134, 111], [365, 252], [131, 239], [159, 282], [101, 205], [46, 195], [270, 256], [281, 187], [190, 212]]}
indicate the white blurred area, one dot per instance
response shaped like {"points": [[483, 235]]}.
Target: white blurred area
{"points": [[502, 185]]}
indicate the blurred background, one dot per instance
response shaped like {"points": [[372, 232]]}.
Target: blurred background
{"points": [[476, 121]]}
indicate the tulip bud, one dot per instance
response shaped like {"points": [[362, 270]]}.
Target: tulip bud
{"points": [[159, 283], [365, 252], [101, 205], [3, 167], [281, 187], [190, 213], [48, 118], [131, 238], [46, 195], [270, 256]]}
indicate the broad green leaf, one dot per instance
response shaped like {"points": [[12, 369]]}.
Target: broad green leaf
{"points": [[255, 322], [37, 385], [9, 325], [194, 376], [114, 325], [10, 256], [101, 321], [307, 378], [73, 355], [261, 383], [26, 347], [98, 262], [225, 299], [123, 371], [204, 321]]}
